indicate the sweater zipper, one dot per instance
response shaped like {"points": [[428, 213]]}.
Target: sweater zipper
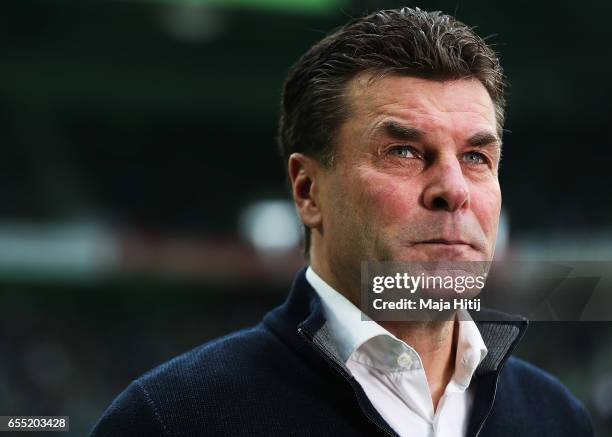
{"points": [[348, 378], [501, 366], [341, 371], [490, 407]]}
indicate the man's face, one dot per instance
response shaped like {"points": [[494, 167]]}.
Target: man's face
{"points": [[415, 176]]}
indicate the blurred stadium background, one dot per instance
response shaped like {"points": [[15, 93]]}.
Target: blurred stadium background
{"points": [[143, 204]]}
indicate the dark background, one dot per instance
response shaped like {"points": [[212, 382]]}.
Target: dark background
{"points": [[135, 135]]}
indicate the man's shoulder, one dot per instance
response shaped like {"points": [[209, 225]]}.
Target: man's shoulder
{"points": [[236, 351], [183, 388], [540, 400], [236, 363], [526, 376]]}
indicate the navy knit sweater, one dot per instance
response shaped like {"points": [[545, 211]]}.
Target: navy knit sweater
{"points": [[283, 377]]}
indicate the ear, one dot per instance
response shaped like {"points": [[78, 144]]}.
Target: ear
{"points": [[304, 173]]}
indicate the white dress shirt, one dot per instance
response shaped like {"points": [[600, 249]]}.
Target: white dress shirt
{"points": [[391, 372]]}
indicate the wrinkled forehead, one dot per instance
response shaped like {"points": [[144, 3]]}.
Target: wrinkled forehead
{"points": [[463, 101]]}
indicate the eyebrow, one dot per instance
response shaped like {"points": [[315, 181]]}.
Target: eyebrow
{"points": [[400, 131], [483, 139], [404, 132]]}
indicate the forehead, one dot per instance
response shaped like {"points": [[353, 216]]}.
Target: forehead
{"points": [[458, 106]]}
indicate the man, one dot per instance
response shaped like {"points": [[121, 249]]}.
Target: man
{"points": [[391, 130]]}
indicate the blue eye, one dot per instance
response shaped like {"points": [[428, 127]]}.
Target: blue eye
{"points": [[403, 152], [474, 158]]}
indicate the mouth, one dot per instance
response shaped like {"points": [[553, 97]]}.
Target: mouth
{"points": [[443, 249], [444, 241]]}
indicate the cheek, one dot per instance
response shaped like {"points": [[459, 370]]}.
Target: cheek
{"points": [[486, 204], [387, 200]]}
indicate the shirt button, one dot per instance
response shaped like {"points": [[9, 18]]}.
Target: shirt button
{"points": [[404, 360], [470, 360]]}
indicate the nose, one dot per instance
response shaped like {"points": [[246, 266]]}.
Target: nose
{"points": [[447, 189]]}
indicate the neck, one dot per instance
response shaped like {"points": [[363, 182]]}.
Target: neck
{"points": [[434, 341], [345, 280]]}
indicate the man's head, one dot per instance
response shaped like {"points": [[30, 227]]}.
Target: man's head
{"points": [[391, 128]]}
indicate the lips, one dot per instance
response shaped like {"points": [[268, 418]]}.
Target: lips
{"points": [[444, 241]]}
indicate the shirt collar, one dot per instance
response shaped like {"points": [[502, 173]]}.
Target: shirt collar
{"points": [[350, 327], [359, 338]]}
